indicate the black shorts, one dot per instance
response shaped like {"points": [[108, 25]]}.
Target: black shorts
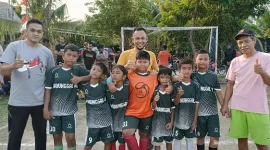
{"points": [[143, 124]]}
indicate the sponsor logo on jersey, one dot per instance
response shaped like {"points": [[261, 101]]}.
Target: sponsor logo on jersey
{"points": [[187, 100], [116, 106], [112, 97], [86, 91], [64, 86], [206, 89], [161, 109], [56, 75], [95, 102]]}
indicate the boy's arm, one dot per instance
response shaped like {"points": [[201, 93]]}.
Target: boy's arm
{"points": [[84, 75], [194, 124], [169, 126], [47, 96], [220, 97]]}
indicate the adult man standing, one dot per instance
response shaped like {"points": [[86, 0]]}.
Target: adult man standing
{"points": [[59, 50], [102, 56], [248, 77], [88, 56], [128, 57], [164, 56], [27, 62]]}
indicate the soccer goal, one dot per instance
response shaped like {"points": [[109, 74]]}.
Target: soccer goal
{"points": [[179, 39]]}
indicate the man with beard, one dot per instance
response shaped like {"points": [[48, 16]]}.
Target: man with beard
{"points": [[128, 57], [59, 50]]}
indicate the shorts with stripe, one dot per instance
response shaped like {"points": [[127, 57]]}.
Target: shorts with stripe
{"points": [[157, 141]]}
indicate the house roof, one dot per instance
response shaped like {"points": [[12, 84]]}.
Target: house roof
{"points": [[6, 12]]}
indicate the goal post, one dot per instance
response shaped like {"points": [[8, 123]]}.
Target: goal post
{"points": [[213, 42]]}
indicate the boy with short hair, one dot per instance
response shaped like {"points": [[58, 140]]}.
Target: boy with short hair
{"points": [[60, 102], [187, 104], [163, 107], [139, 113], [208, 120], [99, 117], [118, 102]]}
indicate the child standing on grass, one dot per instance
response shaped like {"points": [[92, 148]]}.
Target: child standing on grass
{"points": [[187, 104], [208, 120], [118, 102], [163, 107], [99, 118], [60, 104]]}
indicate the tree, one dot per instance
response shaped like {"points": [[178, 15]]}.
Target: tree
{"points": [[106, 24]]}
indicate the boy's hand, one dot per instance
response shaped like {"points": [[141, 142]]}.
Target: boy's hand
{"points": [[80, 95], [180, 91], [225, 111], [130, 64], [194, 125], [75, 79], [112, 87], [47, 115], [156, 99], [179, 77], [169, 126], [169, 89], [154, 72]]}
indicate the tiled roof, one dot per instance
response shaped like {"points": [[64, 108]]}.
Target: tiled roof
{"points": [[6, 12]]}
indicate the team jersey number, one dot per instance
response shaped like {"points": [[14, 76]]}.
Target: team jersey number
{"points": [[125, 124], [90, 140], [52, 129]]}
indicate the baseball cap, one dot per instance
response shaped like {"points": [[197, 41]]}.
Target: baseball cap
{"points": [[242, 32]]}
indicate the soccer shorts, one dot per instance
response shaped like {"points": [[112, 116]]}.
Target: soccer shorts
{"points": [[157, 141], [179, 134], [208, 125], [94, 135], [143, 124], [62, 123], [243, 123]]}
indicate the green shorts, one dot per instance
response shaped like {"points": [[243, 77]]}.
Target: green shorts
{"points": [[143, 124], [118, 136], [62, 123], [179, 134], [208, 125], [96, 134], [243, 123], [157, 141]]}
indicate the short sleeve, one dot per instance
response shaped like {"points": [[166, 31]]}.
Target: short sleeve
{"points": [[50, 62], [231, 72], [9, 55], [217, 84], [197, 93], [84, 72], [49, 79], [123, 58]]}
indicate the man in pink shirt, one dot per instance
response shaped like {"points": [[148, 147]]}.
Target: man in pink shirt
{"points": [[248, 77]]}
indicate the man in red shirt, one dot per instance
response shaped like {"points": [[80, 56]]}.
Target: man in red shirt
{"points": [[164, 56]]}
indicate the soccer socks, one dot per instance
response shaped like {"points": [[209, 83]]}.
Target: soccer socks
{"points": [[177, 144], [144, 143], [121, 147], [132, 142], [113, 146], [59, 147], [210, 148], [71, 148], [189, 145], [200, 147]]}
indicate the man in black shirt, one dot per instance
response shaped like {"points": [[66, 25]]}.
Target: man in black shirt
{"points": [[89, 57], [59, 50]]}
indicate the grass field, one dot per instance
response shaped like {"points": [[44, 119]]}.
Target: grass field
{"points": [[226, 143]]}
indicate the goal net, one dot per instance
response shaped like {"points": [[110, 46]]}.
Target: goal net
{"points": [[181, 41]]}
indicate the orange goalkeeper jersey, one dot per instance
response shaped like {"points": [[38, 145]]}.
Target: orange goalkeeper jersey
{"points": [[141, 90]]}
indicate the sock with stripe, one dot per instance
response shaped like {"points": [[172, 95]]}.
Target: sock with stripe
{"points": [[200, 147], [132, 142], [59, 147]]}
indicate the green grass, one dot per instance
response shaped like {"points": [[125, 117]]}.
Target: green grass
{"points": [[3, 110]]}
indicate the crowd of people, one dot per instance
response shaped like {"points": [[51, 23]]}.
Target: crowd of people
{"points": [[138, 95]]}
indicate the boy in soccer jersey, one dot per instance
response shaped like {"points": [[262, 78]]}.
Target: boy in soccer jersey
{"points": [[187, 97], [139, 112], [163, 107], [60, 104], [118, 102], [99, 117], [208, 119]]}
